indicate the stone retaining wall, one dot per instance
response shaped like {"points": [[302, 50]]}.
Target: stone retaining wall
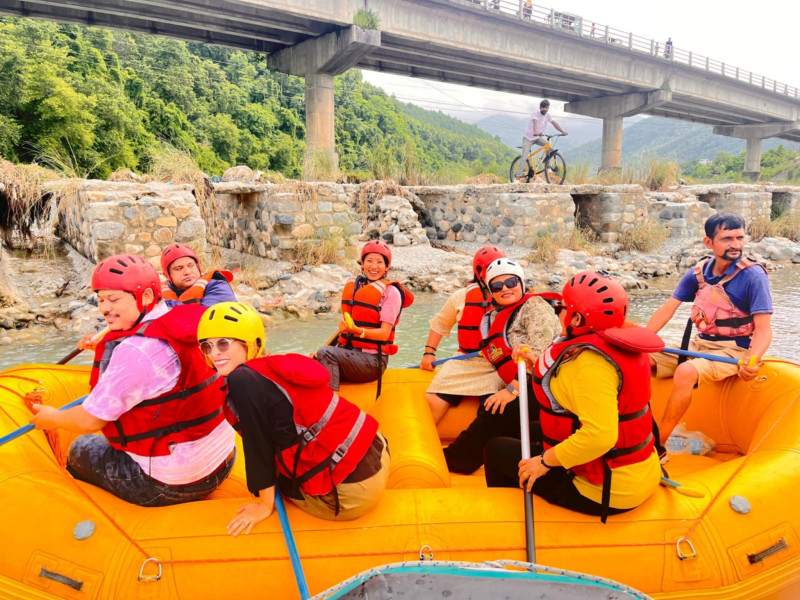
{"points": [[508, 214], [112, 217], [276, 221], [273, 221]]}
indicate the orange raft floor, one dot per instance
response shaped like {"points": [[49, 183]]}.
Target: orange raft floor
{"points": [[672, 546]]}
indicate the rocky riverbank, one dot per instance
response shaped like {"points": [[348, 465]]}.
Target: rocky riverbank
{"points": [[51, 288]]}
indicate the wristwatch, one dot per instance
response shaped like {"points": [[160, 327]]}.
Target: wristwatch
{"points": [[514, 391]]}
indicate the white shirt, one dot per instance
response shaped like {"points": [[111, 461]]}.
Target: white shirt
{"points": [[538, 124]]}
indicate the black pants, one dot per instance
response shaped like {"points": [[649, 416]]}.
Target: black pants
{"points": [[465, 454], [502, 458]]}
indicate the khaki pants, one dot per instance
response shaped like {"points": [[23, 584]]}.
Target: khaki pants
{"points": [[355, 499], [665, 364]]}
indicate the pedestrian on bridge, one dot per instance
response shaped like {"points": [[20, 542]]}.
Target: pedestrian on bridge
{"points": [[668, 49]]}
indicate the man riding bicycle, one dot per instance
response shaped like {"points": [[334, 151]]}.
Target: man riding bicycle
{"points": [[534, 132]]}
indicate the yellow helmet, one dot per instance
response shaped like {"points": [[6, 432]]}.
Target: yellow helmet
{"points": [[233, 320]]}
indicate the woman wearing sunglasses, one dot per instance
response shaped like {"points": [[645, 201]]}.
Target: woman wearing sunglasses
{"points": [[517, 318], [595, 421], [326, 454]]}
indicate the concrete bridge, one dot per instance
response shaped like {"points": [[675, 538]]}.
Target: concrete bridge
{"points": [[499, 45]]}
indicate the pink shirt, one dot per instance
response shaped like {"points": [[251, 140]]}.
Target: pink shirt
{"points": [[390, 310], [142, 368]]}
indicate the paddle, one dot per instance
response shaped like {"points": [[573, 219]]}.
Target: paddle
{"points": [[25, 429], [95, 338], [714, 357], [294, 555], [681, 489], [525, 435], [444, 360]]}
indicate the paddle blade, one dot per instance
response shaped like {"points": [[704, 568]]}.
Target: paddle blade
{"points": [[681, 489]]}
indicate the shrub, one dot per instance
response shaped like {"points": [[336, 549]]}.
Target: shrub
{"points": [[366, 19], [645, 238], [328, 247]]}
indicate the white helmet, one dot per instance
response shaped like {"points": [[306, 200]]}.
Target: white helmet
{"points": [[504, 266]]}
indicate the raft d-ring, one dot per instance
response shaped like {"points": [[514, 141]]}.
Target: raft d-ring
{"points": [[761, 379], [156, 577], [422, 553], [692, 552]]}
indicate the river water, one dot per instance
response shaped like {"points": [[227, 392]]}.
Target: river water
{"points": [[292, 335]]}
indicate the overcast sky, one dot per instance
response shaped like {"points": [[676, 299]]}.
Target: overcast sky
{"points": [[761, 37]]}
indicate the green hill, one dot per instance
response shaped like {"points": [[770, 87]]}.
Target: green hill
{"points": [[97, 100], [669, 139]]}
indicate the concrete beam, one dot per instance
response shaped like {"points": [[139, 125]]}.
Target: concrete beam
{"points": [[752, 159], [623, 105], [757, 130], [332, 54]]}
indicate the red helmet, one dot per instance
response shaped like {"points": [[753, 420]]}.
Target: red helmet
{"points": [[483, 258], [601, 300], [172, 253], [129, 273], [378, 247]]}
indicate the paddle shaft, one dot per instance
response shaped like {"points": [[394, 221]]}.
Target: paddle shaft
{"points": [[294, 555], [77, 351], [714, 357], [525, 438], [444, 360], [27, 428]]}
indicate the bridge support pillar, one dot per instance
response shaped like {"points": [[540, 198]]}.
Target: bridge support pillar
{"points": [[318, 60], [613, 109], [611, 157], [752, 160], [320, 117], [754, 134]]}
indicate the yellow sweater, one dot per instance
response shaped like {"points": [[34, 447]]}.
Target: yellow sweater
{"points": [[587, 387]]}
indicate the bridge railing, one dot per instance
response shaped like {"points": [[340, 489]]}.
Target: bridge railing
{"points": [[540, 16]]}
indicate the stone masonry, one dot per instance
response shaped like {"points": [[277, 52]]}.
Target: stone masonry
{"points": [[114, 218]]}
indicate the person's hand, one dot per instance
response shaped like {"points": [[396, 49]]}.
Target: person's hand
{"points": [[525, 353], [529, 471], [248, 516], [748, 369], [44, 416], [426, 364], [343, 326], [564, 133], [87, 342], [497, 402]]}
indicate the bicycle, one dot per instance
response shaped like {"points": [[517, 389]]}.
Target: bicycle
{"points": [[552, 164]]}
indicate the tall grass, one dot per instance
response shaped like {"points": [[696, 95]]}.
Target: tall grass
{"points": [[653, 174], [787, 226], [645, 238], [318, 165], [328, 247], [546, 244]]}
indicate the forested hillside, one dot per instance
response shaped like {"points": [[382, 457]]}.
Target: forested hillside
{"points": [[97, 100], [669, 139]]}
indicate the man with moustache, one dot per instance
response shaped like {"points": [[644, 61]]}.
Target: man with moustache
{"points": [[157, 402], [731, 310]]}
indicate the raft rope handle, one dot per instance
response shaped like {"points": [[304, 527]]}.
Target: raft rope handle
{"points": [[738, 470], [692, 552], [422, 553], [156, 577]]}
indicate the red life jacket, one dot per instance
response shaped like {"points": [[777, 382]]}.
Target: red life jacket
{"points": [[333, 435], [494, 345], [635, 429], [194, 293], [363, 299], [469, 325], [189, 411], [713, 312]]}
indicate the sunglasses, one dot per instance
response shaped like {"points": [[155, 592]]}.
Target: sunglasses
{"points": [[559, 307], [222, 344], [510, 283]]}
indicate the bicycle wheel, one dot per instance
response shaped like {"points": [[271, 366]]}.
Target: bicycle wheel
{"points": [[527, 173], [555, 168]]}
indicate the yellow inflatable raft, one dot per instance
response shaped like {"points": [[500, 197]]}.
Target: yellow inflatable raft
{"points": [[740, 540]]}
